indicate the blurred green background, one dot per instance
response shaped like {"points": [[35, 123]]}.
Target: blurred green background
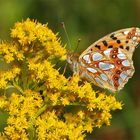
{"points": [[88, 20]]}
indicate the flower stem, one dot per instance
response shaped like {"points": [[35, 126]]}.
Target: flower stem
{"points": [[31, 129], [15, 86], [41, 110], [18, 87]]}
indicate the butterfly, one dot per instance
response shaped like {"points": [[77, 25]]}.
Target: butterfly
{"points": [[107, 63]]}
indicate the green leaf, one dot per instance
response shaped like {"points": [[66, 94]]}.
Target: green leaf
{"points": [[3, 120]]}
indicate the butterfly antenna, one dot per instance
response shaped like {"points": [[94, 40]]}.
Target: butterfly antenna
{"points": [[78, 42], [63, 25]]}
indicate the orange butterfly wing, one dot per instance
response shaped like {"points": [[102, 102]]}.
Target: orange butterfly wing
{"points": [[108, 62]]}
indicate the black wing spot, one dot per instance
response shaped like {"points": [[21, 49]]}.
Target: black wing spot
{"points": [[98, 46], [118, 41], [114, 38], [112, 35], [121, 46], [110, 46], [126, 41], [105, 43], [127, 48]]}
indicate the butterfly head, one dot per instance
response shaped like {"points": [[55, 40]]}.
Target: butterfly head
{"points": [[73, 60]]}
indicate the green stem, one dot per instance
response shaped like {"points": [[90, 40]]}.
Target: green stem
{"points": [[18, 87], [31, 129], [15, 86], [41, 110], [25, 75]]}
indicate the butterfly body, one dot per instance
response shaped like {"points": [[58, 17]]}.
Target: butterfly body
{"points": [[108, 63]]}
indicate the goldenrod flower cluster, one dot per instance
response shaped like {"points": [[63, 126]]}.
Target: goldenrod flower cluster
{"points": [[40, 102]]}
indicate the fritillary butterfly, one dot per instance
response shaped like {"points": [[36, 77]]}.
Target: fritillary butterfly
{"points": [[108, 63]]}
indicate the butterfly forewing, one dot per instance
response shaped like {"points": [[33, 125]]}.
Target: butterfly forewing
{"points": [[126, 39]]}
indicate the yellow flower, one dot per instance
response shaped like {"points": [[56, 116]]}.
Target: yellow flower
{"points": [[10, 51], [81, 114], [34, 36], [42, 103], [3, 102], [6, 76], [2, 83], [65, 101], [89, 126]]}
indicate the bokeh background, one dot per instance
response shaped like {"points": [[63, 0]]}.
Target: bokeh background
{"points": [[88, 20]]}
